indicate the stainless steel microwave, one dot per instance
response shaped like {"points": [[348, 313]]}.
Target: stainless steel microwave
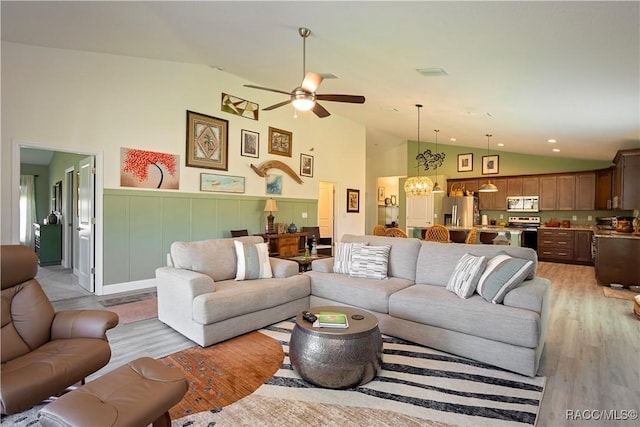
{"points": [[522, 204]]}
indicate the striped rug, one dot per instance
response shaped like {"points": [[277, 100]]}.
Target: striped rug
{"points": [[418, 386]]}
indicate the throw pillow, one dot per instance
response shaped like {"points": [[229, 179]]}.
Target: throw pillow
{"points": [[466, 275], [342, 257], [503, 273], [370, 262], [253, 261]]}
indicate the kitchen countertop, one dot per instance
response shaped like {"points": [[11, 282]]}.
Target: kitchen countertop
{"points": [[573, 227], [612, 234], [486, 228]]}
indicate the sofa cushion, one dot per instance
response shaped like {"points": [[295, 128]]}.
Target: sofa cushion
{"points": [[253, 261], [402, 256], [370, 262], [214, 257], [435, 306], [465, 277], [342, 258], [502, 274], [437, 262]]}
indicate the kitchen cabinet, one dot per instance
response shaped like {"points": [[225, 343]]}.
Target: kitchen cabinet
{"points": [[582, 246], [547, 198], [496, 201], [604, 189], [626, 189], [522, 186], [566, 192], [48, 243], [585, 193], [464, 184], [565, 245], [617, 260]]}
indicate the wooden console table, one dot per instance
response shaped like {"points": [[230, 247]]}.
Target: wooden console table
{"points": [[285, 245]]}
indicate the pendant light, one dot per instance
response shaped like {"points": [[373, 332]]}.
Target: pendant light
{"points": [[436, 187], [488, 187], [418, 186]]}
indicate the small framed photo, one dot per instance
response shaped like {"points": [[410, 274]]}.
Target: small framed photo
{"points": [[490, 164], [280, 142], [353, 200], [249, 143], [221, 183], [381, 194], [274, 185], [306, 165], [465, 162], [207, 141]]}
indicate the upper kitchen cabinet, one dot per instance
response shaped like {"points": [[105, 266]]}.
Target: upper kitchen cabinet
{"points": [[523, 186], [626, 188], [604, 189], [585, 199], [548, 193], [495, 201], [566, 192]]}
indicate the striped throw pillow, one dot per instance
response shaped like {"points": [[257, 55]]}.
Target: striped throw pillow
{"points": [[466, 275], [342, 257], [503, 273], [253, 261], [370, 262]]}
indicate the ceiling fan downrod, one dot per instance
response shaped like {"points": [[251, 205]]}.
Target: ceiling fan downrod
{"points": [[304, 33]]}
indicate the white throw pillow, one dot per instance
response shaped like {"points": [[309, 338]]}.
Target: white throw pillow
{"points": [[503, 273], [253, 261], [466, 275], [342, 257], [370, 262]]}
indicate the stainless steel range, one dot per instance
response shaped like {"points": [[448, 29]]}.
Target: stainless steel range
{"points": [[529, 226]]}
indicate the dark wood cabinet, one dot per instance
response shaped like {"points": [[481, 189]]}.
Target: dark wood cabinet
{"points": [[585, 193], [48, 243], [604, 189], [286, 245], [522, 186], [565, 245], [496, 201], [566, 192], [626, 190], [547, 197], [582, 246], [617, 260]]}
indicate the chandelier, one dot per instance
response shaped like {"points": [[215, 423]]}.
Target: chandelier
{"points": [[419, 186]]}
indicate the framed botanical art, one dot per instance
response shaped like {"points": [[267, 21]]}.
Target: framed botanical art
{"points": [[306, 165], [490, 164], [221, 183], [249, 143], [207, 141], [280, 142], [465, 162], [353, 200]]}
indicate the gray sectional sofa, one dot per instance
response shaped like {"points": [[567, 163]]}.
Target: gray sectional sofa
{"points": [[202, 301]]}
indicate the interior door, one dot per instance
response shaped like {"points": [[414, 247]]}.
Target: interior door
{"points": [[86, 224], [326, 210]]}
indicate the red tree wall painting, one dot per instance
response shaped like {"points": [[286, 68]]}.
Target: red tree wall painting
{"points": [[149, 169]]}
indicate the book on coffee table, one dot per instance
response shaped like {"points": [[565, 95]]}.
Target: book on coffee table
{"points": [[328, 319]]}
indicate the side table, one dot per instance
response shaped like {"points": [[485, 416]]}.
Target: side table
{"points": [[305, 261]]}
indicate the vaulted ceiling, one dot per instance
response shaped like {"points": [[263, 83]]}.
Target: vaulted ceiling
{"points": [[525, 72]]}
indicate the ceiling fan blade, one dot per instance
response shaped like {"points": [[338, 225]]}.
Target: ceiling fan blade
{"points": [[311, 82], [278, 105], [269, 89], [354, 99], [320, 111]]}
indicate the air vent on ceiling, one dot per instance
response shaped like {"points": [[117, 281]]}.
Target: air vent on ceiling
{"points": [[433, 71]]}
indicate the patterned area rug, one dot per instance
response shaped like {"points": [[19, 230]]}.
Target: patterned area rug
{"points": [[417, 386], [133, 308]]}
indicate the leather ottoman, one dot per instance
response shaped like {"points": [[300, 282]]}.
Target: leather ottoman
{"points": [[136, 394]]}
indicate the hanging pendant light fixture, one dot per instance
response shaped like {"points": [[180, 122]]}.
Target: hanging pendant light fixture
{"points": [[436, 187], [418, 186], [488, 187]]}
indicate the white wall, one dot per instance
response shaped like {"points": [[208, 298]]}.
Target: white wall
{"points": [[82, 101]]}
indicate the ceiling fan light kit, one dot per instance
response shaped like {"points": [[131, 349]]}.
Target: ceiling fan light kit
{"points": [[304, 97]]}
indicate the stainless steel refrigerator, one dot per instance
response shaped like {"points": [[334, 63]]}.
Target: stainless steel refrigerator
{"points": [[461, 211]]}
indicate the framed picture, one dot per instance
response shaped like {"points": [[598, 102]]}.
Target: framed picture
{"points": [[221, 183], [381, 194], [306, 165], [465, 162], [274, 184], [207, 141], [149, 169], [249, 143], [353, 200], [240, 107], [490, 164], [280, 142]]}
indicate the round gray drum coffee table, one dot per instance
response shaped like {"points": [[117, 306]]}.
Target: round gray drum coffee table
{"points": [[337, 358]]}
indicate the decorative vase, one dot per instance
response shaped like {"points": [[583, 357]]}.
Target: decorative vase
{"points": [[292, 228], [52, 219]]}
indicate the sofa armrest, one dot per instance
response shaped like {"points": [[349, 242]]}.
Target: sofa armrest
{"points": [[283, 268], [323, 265], [83, 324], [190, 283], [530, 295]]}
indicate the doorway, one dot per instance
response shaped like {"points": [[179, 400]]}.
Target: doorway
{"points": [[326, 211]]}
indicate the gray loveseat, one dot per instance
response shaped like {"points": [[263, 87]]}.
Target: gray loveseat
{"points": [[413, 303]]}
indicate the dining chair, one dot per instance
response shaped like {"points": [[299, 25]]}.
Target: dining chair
{"points": [[487, 237], [395, 232], [379, 230], [437, 233], [472, 235]]}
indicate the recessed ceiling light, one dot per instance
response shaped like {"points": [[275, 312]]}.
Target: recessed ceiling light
{"points": [[452, 139], [556, 150], [551, 141], [500, 144], [432, 71]]}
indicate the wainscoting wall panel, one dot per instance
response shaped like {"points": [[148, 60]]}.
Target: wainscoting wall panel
{"points": [[139, 226]]}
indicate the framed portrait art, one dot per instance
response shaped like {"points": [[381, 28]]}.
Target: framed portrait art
{"points": [[465, 162], [280, 142], [353, 200], [249, 143], [490, 164], [306, 165], [207, 141]]}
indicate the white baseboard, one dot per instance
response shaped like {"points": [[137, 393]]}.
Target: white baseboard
{"points": [[128, 286]]}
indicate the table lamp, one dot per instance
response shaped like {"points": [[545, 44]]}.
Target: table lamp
{"points": [[270, 207]]}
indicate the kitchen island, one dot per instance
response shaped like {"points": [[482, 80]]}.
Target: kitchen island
{"points": [[512, 234], [617, 257]]}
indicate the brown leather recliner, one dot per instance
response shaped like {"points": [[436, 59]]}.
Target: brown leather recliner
{"points": [[43, 352]]}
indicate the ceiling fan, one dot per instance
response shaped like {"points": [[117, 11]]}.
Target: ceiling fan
{"points": [[304, 97]]}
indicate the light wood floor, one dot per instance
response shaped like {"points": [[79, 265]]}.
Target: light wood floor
{"points": [[591, 358]]}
